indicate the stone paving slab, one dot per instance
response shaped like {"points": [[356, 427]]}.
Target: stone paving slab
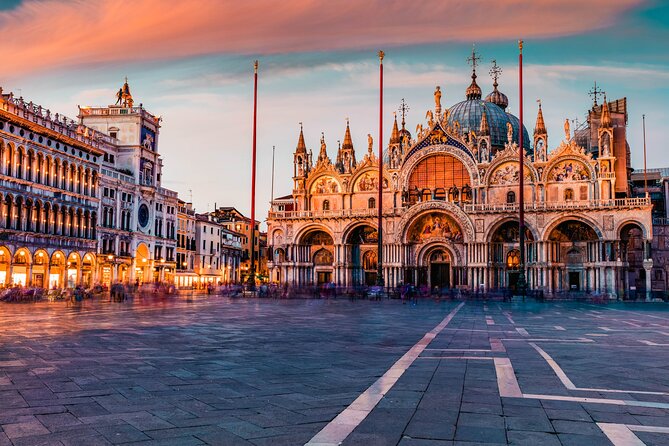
{"points": [[264, 372]]}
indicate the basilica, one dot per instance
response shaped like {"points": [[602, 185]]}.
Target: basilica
{"points": [[450, 205]]}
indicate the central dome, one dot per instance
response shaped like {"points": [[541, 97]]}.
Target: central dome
{"points": [[468, 113]]}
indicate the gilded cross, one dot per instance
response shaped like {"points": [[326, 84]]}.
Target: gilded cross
{"points": [[595, 92], [404, 108], [474, 59], [495, 71]]}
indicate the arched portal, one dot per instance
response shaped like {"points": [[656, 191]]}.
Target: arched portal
{"points": [[40, 268], [57, 270], [73, 270], [316, 247], [573, 251], [438, 267], [142, 264], [87, 268], [361, 245], [21, 267], [631, 253], [504, 254], [5, 260]]}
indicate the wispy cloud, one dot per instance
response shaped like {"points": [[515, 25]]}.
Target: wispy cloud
{"points": [[75, 33]]}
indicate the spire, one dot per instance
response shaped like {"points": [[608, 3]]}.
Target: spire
{"points": [[606, 115], [540, 126], [484, 129], [473, 91], [395, 135], [348, 142], [301, 146]]}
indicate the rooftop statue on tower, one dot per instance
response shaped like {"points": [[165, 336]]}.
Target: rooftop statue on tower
{"points": [[437, 99]]}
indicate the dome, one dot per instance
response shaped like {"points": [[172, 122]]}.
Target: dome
{"points": [[498, 98], [468, 113]]}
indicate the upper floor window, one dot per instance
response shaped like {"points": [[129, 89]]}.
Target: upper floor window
{"points": [[371, 203], [326, 205], [511, 197], [568, 195]]}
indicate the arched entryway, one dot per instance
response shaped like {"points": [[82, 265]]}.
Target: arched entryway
{"points": [[73, 270], [574, 252], [438, 268], [631, 254], [57, 270], [40, 269], [504, 254], [5, 261], [316, 247], [21, 267], [142, 264], [362, 258]]}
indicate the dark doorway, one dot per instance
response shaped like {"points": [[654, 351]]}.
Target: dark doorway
{"points": [[370, 278], [440, 275], [513, 280], [324, 277], [574, 281]]}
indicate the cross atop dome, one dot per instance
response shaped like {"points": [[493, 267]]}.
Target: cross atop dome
{"points": [[495, 72], [473, 91]]}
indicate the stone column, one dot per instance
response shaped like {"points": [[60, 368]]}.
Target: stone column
{"points": [[648, 267]]}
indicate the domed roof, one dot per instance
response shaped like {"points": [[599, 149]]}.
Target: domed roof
{"points": [[498, 98], [468, 113]]}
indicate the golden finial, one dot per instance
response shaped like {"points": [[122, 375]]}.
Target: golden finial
{"points": [[520, 45], [539, 102], [255, 66], [381, 54]]}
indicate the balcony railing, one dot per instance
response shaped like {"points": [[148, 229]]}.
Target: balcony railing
{"points": [[473, 208], [334, 213]]}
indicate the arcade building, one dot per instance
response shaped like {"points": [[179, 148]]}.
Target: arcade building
{"points": [[450, 205]]}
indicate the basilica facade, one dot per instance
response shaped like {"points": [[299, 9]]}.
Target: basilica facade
{"points": [[450, 205]]}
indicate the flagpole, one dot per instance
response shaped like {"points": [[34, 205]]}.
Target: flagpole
{"points": [[645, 170], [521, 159], [252, 270], [379, 270]]}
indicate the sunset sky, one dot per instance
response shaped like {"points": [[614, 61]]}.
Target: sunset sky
{"points": [[191, 61]]}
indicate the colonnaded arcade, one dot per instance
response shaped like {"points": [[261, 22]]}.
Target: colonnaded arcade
{"points": [[450, 205]]}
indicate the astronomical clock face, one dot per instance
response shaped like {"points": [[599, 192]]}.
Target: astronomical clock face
{"points": [[143, 215]]}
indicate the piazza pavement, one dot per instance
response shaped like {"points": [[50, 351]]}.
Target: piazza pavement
{"points": [[212, 370]]}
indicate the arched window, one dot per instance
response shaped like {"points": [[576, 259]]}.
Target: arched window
{"points": [[513, 259], [510, 197], [568, 195], [371, 203], [326, 205]]}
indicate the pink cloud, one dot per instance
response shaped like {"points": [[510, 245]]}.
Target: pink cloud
{"points": [[68, 33]]}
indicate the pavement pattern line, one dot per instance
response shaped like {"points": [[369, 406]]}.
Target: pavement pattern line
{"points": [[623, 434], [571, 386], [508, 387], [336, 431]]}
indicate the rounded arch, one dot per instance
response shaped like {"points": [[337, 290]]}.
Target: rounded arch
{"points": [[326, 182], [367, 180], [504, 172], [453, 210], [348, 230], [425, 252], [576, 217], [41, 257], [74, 257], [58, 257], [5, 254], [626, 224], [142, 254], [22, 256], [464, 158], [567, 172], [433, 224], [573, 230], [302, 234], [323, 257], [90, 258], [502, 222], [277, 237]]}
